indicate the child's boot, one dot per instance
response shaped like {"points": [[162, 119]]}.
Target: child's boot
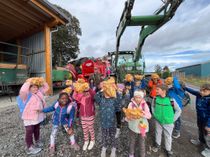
{"points": [[206, 152], [92, 143], [103, 152], [117, 133], [85, 145], [73, 143], [113, 152], [169, 153]]}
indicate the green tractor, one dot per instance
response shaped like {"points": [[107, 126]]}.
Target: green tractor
{"points": [[149, 24], [125, 64]]}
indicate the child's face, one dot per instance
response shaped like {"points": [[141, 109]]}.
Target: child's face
{"points": [[155, 80], [204, 92], [63, 100], [137, 83], [137, 99], [128, 87], [160, 92], [34, 89]]}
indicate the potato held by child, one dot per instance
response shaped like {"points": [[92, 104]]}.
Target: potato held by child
{"points": [[135, 113]]}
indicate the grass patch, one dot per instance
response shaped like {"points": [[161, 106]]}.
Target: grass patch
{"points": [[196, 81]]}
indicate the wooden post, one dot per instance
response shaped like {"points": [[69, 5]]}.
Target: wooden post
{"points": [[19, 59], [48, 58]]}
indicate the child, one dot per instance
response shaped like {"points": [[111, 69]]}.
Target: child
{"points": [[155, 80], [165, 115], [108, 101], [139, 83], [133, 124], [176, 92], [203, 116], [119, 109], [63, 116], [31, 115], [87, 115]]}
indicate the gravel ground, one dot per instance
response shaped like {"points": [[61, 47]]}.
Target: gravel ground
{"points": [[12, 136]]}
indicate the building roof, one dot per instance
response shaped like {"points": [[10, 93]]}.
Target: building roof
{"points": [[193, 65], [21, 18]]}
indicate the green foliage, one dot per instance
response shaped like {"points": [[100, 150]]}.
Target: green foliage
{"points": [[65, 42]]}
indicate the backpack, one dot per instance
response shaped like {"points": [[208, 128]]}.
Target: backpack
{"points": [[21, 104]]}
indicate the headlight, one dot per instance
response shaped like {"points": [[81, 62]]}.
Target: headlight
{"points": [[138, 68], [129, 68]]}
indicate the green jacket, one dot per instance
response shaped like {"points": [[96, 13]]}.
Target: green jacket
{"points": [[163, 110]]}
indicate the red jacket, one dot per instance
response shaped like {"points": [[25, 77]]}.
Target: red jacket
{"points": [[153, 86], [86, 101]]}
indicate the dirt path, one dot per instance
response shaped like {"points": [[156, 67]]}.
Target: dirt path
{"points": [[12, 137]]}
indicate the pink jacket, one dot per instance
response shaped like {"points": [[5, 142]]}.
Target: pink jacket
{"points": [[86, 101], [30, 111], [143, 106]]}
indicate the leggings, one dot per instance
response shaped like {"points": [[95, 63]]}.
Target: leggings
{"points": [[32, 130], [88, 128]]}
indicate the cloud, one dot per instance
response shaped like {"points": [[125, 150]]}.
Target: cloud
{"points": [[188, 31]]}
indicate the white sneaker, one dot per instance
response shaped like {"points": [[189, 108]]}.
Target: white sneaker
{"points": [[117, 133], [33, 150], [103, 152], [206, 152], [92, 143], [85, 145], [113, 153]]}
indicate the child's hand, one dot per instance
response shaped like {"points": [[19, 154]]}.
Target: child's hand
{"points": [[39, 111]]}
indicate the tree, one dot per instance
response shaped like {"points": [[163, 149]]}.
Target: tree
{"points": [[158, 69], [65, 42]]}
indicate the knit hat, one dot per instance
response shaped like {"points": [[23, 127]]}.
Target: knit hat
{"points": [[169, 80], [139, 93]]}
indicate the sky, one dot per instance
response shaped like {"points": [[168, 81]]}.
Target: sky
{"points": [[184, 40]]}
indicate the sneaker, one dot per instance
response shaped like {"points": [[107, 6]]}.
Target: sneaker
{"points": [[176, 134], [117, 133], [195, 142], [39, 144], [103, 152], [156, 148], [206, 152], [113, 152], [92, 143], [75, 146], [131, 155], [169, 153], [33, 150], [52, 150], [85, 145]]}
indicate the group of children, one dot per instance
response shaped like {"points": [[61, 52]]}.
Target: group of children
{"points": [[164, 103]]}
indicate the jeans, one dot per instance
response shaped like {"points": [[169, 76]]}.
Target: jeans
{"points": [[177, 125]]}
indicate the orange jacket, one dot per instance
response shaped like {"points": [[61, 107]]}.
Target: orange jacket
{"points": [[153, 86]]}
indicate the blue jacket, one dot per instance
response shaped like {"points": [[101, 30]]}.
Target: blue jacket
{"points": [[107, 109], [60, 116], [176, 92], [202, 106], [141, 87]]}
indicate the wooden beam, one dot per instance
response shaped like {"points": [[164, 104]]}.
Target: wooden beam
{"points": [[20, 11], [48, 11], [48, 58], [33, 12], [19, 60]]}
